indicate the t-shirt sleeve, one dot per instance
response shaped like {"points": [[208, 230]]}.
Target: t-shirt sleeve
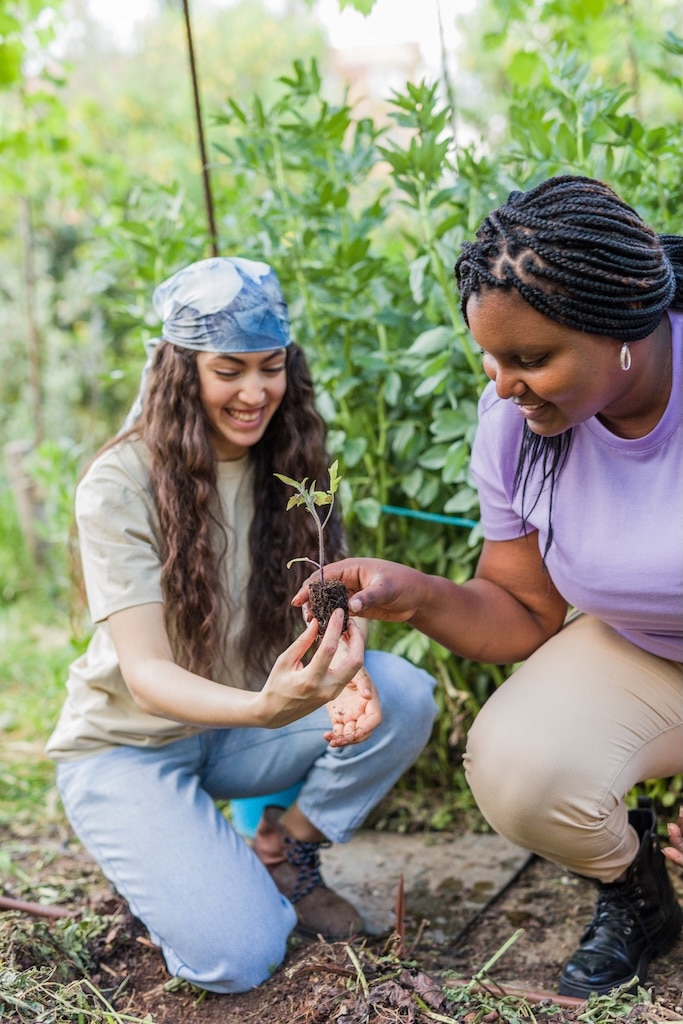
{"points": [[494, 459], [118, 539]]}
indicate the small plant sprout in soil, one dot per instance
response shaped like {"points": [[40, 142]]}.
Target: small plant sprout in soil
{"points": [[326, 595]]}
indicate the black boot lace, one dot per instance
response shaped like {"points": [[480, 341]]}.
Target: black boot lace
{"points": [[616, 913], [306, 857]]}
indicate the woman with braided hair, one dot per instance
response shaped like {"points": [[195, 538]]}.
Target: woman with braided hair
{"points": [[577, 307], [199, 684]]}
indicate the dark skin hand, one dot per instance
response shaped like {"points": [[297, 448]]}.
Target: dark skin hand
{"points": [[505, 613]]}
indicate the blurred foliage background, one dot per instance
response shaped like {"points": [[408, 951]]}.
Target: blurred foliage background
{"points": [[359, 201]]}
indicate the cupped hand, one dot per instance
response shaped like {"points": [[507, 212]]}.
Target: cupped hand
{"points": [[377, 589], [294, 689], [675, 851], [355, 712]]}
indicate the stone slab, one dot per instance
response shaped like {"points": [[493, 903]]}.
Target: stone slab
{"points": [[448, 879]]}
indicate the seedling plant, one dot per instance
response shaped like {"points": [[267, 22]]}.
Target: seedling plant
{"points": [[325, 595]]}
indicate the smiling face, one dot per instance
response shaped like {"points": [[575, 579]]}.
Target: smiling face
{"points": [[240, 394], [556, 376]]}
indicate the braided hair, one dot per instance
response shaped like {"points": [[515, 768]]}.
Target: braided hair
{"points": [[580, 255]]}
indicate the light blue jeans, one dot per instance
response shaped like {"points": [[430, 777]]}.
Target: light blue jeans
{"points": [[147, 815]]}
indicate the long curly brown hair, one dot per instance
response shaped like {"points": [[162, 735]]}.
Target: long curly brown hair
{"points": [[183, 472]]}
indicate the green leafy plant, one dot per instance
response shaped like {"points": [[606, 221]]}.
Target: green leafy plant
{"points": [[312, 499], [362, 216], [326, 595]]}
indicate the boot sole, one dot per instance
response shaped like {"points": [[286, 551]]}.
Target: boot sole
{"points": [[665, 941], [584, 991]]}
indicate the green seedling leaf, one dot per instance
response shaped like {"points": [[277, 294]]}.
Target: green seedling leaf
{"points": [[311, 500], [335, 478], [292, 483]]}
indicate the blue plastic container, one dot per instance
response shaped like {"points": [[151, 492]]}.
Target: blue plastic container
{"points": [[246, 812]]}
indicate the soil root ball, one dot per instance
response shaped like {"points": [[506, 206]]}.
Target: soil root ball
{"points": [[326, 595]]}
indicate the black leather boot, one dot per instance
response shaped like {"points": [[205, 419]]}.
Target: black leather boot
{"points": [[634, 920]]}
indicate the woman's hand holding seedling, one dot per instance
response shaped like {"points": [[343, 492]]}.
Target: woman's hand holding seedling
{"points": [[294, 689], [355, 712]]}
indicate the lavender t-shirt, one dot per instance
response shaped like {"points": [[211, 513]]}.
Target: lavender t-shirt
{"points": [[617, 549]]}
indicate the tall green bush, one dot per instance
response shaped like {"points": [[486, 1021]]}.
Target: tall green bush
{"points": [[363, 218]]}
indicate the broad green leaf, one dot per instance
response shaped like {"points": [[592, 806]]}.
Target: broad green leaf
{"points": [[392, 388], [464, 500], [429, 491], [412, 483], [435, 340], [455, 461], [402, 436], [432, 383], [434, 457], [354, 450], [368, 512]]}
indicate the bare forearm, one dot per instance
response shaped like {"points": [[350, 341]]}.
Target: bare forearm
{"points": [[293, 689], [502, 615], [166, 690], [479, 620]]}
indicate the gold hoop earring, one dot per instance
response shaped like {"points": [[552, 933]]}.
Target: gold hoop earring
{"points": [[625, 357]]}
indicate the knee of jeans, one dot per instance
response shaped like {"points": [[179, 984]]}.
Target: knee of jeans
{"points": [[406, 694], [239, 962]]}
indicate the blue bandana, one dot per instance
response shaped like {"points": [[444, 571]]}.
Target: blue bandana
{"points": [[223, 304]]}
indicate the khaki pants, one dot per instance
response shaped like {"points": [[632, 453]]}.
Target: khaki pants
{"points": [[553, 752]]}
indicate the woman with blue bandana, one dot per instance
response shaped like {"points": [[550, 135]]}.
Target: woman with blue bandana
{"points": [[199, 684]]}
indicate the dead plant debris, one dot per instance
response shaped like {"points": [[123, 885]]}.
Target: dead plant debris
{"points": [[99, 965]]}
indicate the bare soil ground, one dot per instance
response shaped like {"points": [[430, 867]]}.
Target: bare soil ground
{"points": [[399, 978]]}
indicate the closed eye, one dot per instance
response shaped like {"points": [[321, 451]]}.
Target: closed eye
{"points": [[532, 364], [526, 364], [272, 371]]}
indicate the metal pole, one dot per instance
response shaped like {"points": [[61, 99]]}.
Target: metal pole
{"points": [[200, 134]]}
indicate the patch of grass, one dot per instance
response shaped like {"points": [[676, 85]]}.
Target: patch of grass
{"points": [[35, 650], [37, 996]]}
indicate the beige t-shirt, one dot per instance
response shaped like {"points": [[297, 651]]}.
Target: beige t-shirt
{"points": [[118, 532]]}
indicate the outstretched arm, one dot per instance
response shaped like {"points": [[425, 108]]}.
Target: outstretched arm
{"points": [[293, 689], [502, 615]]}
